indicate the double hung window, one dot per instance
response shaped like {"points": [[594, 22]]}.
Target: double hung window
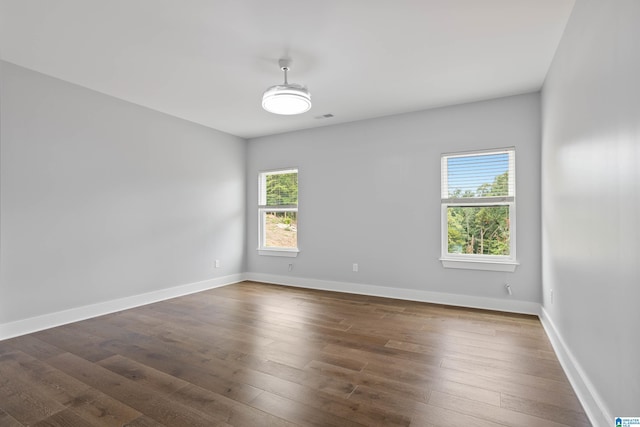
{"points": [[478, 210], [278, 212]]}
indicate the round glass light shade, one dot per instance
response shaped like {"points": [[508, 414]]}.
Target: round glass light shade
{"points": [[286, 99]]}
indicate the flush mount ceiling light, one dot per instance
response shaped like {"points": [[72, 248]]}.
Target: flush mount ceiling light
{"points": [[287, 98]]}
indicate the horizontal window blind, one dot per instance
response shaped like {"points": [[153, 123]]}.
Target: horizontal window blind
{"points": [[485, 177]]}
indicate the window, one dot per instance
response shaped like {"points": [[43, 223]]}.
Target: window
{"points": [[278, 213], [479, 210]]}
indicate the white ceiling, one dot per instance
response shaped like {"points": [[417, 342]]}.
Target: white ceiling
{"points": [[209, 61]]}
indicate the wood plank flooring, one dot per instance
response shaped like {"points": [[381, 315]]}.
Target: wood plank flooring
{"points": [[252, 354]]}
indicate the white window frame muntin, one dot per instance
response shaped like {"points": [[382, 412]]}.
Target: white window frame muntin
{"points": [[263, 209], [478, 261]]}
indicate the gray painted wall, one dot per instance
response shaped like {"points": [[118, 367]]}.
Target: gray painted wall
{"points": [[591, 197], [103, 199], [370, 194]]}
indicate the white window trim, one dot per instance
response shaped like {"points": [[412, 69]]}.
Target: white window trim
{"points": [[508, 266], [473, 261], [263, 209], [291, 253]]}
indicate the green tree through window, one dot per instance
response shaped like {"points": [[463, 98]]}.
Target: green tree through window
{"points": [[480, 230], [282, 189]]}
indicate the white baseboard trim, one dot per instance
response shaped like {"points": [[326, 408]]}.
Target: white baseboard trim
{"points": [[507, 305], [51, 320], [593, 405]]}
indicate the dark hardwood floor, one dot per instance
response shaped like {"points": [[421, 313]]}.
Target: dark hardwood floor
{"points": [[252, 354]]}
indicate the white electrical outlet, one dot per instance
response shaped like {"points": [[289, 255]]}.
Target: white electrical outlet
{"points": [[355, 267], [551, 294], [217, 263], [290, 266]]}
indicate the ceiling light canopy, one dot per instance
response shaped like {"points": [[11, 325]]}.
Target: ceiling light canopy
{"points": [[287, 98]]}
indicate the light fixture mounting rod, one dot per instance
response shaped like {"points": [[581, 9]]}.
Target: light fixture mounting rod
{"points": [[284, 66]]}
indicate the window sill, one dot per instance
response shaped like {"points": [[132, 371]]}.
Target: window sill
{"points": [[291, 253], [508, 266]]}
